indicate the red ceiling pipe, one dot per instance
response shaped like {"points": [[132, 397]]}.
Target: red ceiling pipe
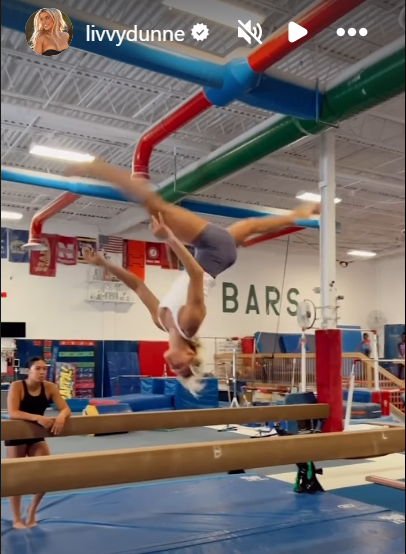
{"points": [[272, 236], [40, 217], [317, 18], [188, 111]]}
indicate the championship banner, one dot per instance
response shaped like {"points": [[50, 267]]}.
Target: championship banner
{"points": [[85, 244], [67, 250], [134, 258], [16, 240], [43, 264], [153, 255], [66, 379]]}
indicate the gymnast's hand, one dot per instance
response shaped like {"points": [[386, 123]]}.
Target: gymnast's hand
{"points": [[46, 422], [93, 258], [159, 229], [58, 425]]}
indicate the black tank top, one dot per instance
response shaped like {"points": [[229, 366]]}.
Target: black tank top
{"points": [[35, 405], [52, 52]]}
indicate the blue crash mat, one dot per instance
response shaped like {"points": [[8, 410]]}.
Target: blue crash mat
{"points": [[216, 515]]}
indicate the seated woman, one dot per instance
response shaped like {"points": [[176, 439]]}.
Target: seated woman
{"points": [[183, 310], [27, 401]]}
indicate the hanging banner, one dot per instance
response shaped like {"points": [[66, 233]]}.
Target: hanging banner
{"points": [[67, 250], [4, 245], [16, 240], [66, 379], [43, 264], [85, 244], [135, 257], [153, 254]]}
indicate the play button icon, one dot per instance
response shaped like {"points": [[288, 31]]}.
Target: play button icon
{"points": [[296, 32]]}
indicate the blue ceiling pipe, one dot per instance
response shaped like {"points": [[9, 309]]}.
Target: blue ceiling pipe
{"points": [[109, 193], [223, 83]]}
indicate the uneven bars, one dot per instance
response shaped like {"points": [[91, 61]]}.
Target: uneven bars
{"points": [[152, 421], [100, 469]]}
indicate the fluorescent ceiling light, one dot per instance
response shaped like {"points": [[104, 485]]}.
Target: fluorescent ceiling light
{"points": [[362, 254], [11, 216], [313, 197], [57, 154], [214, 10]]}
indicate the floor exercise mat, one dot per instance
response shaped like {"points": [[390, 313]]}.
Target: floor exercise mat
{"points": [[216, 515]]}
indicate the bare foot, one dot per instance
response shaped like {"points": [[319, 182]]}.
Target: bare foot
{"points": [[19, 525], [31, 519]]}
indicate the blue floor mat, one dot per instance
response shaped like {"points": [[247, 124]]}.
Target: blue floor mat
{"points": [[217, 515], [391, 499]]}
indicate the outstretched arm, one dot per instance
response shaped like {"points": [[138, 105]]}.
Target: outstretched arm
{"points": [[195, 310], [162, 231], [146, 296]]}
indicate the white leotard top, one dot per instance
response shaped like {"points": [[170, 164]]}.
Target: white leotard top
{"points": [[177, 298]]}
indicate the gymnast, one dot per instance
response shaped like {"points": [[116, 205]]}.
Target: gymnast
{"points": [[183, 310], [27, 401]]}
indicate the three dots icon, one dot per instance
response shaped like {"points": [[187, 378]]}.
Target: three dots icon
{"points": [[352, 32]]}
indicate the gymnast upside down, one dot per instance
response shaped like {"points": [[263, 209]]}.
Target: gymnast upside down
{"points": [[183, 310]]}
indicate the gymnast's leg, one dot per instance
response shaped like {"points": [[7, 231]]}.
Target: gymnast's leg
{"points": [[185, 225], [247, 228], [34, 450], [19, 451]]}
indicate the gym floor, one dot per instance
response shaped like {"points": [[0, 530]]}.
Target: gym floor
{"points": [[346, 479]]}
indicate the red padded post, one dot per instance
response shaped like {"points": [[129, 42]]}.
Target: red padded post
{"points": [[328, 377], [151, 358]]}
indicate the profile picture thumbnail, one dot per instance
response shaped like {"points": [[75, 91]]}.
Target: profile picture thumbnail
{"points": [[49, 32]]}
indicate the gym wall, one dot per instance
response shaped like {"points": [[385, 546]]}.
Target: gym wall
{"points": [[390, 280], [247, 298]]}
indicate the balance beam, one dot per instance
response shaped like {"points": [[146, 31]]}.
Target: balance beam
{"points": [[101, 469], [152, 421], [386, 482]]}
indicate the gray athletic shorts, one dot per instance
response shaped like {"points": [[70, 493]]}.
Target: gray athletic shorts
{"points": [[215, 250]]}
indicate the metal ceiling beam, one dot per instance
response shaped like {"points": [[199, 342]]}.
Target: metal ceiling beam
{"points": [[342, 172], [387, 117], [63, 123], [127, 84]]}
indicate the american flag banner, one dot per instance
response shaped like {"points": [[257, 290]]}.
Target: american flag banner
{"points": [[111, 245], [112, 249]]}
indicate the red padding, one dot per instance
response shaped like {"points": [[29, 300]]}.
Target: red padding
{"points": [[329, 381], [383, 399], [248, 345], [151, 358], [102, 402]]}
